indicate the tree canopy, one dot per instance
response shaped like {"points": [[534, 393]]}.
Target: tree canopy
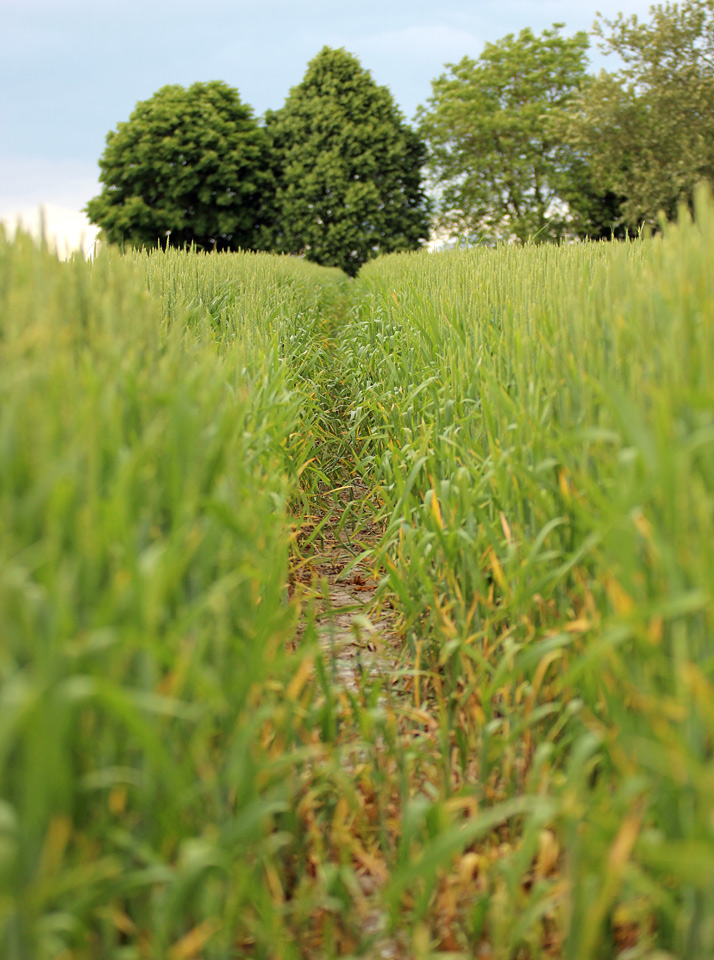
{"points": [[495, 159], [189, 166], [347, 167], [647, 129], [520, 143]]}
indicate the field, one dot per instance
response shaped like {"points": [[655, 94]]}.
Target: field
{"points": [[499, 742]]}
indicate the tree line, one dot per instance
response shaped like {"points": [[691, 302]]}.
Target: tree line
{"points": [[522, 143]]}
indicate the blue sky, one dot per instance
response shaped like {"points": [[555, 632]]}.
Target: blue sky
{"points": [[70, 70]]}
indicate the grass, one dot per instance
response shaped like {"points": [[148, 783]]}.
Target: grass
{"points": [[538, 426], [147, 466], [528, 437]]}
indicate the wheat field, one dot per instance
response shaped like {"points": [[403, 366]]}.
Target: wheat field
{"points": [[516, 446]]}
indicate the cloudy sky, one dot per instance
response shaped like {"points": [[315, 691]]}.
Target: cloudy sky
{"points": [[70, 70]]}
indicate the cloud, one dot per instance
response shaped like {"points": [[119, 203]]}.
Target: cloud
{"points": [[433, 42], [60, 188], [64, 229], [576, 16], [404, 58], [30, 181]]}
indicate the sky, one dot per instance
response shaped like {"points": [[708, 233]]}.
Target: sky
{"points": [[70, 70]]}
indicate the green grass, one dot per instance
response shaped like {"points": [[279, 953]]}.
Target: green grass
{"points": [[532, 429], [149, 447], [538, 424]]}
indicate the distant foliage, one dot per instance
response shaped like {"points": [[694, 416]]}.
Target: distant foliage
{"points": [[521, 143], [647, 129], [347, 166], [524, 143], [189, 167], [495, 159]]}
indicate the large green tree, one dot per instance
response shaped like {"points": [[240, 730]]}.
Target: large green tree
{"points": [[189, 166], [348, 168], [647, 129], [496, 160]]}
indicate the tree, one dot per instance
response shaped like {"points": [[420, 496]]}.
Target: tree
{"points": [[496, 160], [189, 166], [594, 211], [648, 128], [347, 166]]}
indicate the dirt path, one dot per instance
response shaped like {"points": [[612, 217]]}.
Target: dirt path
{"points": [[357, 633], [361, 644], [357, 636], [360, 639]]}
